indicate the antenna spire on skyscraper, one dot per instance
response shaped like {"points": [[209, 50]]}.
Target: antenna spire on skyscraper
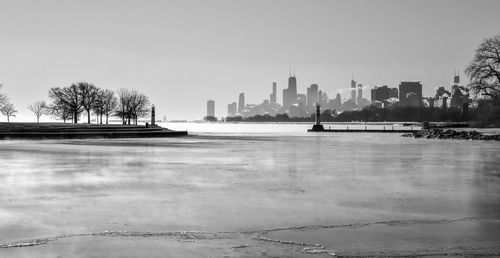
{"points": [[294, 71]]}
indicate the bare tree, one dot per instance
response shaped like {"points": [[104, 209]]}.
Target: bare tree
{"points": [[39, 108], [3, 98], [60, 111], [124, 103], [132, 105], [68, 97], [88, 96], [140, 106], [98, 105], [8, 110], [109, 102], [484, 70]]}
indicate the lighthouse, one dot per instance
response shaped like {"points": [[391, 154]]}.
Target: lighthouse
{"points": [[317, 127]]}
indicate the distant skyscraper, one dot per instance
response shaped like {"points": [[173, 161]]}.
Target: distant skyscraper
{"points": [[322, 98], [272, 98], [285, 98], [241, 103], [353, 91], [291, 93], [360, 93], [312, 96], [456, 78], [410, 94], [210, 108], [231, 109]]}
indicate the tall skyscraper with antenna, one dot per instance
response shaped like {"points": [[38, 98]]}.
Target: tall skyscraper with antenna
{"points": [[290, 94]]}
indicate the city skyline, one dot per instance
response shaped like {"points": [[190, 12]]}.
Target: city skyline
{"points": [[182, 53]]}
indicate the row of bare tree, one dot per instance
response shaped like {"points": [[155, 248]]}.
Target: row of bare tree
{"points": [[69, 102]]}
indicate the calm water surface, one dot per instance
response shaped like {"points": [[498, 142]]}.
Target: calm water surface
{"points": [[242, 178]]}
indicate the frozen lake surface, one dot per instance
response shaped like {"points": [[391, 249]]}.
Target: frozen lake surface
{"points": [[250, 190]]}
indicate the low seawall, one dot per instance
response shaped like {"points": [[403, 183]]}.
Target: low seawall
{"points": [[82, 131]]}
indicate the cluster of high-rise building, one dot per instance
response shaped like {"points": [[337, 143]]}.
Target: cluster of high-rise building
{"points": [[458, 97], [408, 94]]}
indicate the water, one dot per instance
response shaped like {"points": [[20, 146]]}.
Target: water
{"points": [[259, 181]]}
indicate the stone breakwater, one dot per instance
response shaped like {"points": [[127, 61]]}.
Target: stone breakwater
{"points": [[436, 133]]}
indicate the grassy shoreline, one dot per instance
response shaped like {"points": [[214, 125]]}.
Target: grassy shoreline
{"points": [[82, 131]]}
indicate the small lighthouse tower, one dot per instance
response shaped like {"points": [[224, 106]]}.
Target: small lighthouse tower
{"points": [[317, 127], [153, 115]]}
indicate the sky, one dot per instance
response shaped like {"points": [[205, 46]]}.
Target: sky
{"points": [[183, 53]]}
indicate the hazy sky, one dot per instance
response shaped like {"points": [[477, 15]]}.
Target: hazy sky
{"points": [[182, 53]]}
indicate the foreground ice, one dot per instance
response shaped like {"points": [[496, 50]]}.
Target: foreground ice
{"points": [[266, 194]]}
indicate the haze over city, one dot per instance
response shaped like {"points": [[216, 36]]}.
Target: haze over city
{"points": [[182, 53]]}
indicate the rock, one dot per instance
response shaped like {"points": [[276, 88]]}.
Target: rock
{"points": [[434, 133]]}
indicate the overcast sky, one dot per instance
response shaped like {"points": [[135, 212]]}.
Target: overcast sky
{"points": [[182, 53]]}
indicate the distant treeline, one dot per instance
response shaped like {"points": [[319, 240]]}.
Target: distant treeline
{"points": [[487, 113]]}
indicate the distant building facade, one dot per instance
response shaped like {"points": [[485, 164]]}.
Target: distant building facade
{"points": [[241, 103], [232, 109], [353, 91], [383, 93], [272, 97], [360, 94], [211, 108], [312, 96], [459, 94], [410, 94]]}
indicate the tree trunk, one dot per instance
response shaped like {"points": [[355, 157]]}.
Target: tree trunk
{"points": [[75, 119], [8, 121], [88, 116], [37, 119], [106, 119]]}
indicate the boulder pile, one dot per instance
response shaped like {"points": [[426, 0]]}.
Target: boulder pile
{"points": [[436, 133]]}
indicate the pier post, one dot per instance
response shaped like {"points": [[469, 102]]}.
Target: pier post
{"points": [[318, 115], [152, 115]]}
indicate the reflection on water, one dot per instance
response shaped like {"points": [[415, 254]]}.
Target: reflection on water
{"points": [[218, 181]]}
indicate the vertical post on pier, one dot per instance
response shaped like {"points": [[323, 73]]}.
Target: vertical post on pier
{"points": [[318, 115], [152, 115]]}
